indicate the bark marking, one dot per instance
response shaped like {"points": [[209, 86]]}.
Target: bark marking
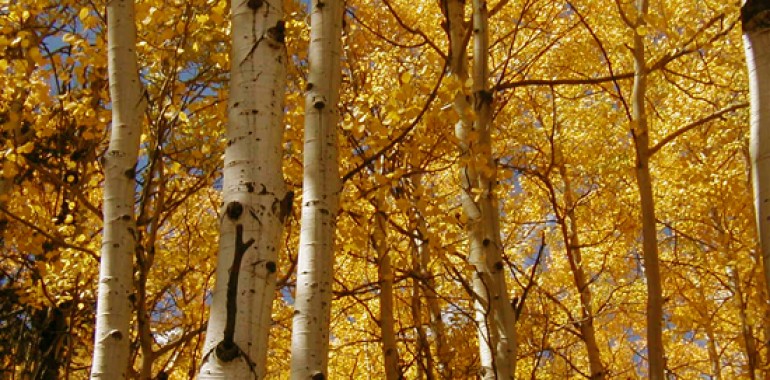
{"points": [[227, 350]]}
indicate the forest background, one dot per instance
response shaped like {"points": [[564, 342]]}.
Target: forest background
{"points": [[564, 165]]}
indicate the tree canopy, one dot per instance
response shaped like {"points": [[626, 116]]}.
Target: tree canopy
{"points": [[562, 142]]}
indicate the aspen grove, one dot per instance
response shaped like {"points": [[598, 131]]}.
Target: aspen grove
{"points": [[392, 189]]}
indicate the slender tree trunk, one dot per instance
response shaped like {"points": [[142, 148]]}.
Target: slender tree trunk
{"points": [[113, 314], [575, 257], [716, 366], [494, 314], [256, 202], [755, 16], [438, 332], [428, 289], [144, 331], [320, 193], [423, 355], [713, 350], [747, 331], [486, 247], [385, 278], [641, 135]]}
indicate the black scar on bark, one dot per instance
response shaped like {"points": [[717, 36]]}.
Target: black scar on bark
{"points": [[130, 173], [755, 15], [234, 211], [286, 206], [227, 350], [278, 32]]}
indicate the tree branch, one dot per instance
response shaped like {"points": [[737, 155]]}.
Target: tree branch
{"points": [[695, 124]]}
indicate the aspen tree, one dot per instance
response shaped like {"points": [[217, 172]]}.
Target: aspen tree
{"points": [[113, 314], [256, 202], [385, 278], [427, 288], [755, 15], [494, 315], [493, 309], [320, 195], [570, 233], [641, 136]]}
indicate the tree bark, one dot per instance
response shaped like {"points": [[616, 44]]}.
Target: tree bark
{"points": [[256, 202], [755, 15], [486, 247], [385, 278], [427, 287], [320, 195], [494, 314], [641, 136], [747, 331], [113, 314], [570, 233]]}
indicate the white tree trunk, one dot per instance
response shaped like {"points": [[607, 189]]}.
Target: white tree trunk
{"points": [[427, 286], [756, 39], [113, 314], [493, 309], [494, 314], [256, 202], [320, 193]]}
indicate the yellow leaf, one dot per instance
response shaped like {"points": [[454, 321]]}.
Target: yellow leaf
{"points": [[69, 38], [406, 77], [26, 148], [9, 170]]}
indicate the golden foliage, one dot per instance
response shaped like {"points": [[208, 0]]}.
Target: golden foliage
{"points": [[562, 89]]}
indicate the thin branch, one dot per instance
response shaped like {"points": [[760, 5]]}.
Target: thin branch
{"points": [[55, 239], [695, 124], [403, 134]]}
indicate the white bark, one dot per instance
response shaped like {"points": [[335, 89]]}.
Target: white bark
{"points": [[494, 314], [493, 310], [256, 202], [113, 315], [320, 193], [756, 38], [427, 286]]}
